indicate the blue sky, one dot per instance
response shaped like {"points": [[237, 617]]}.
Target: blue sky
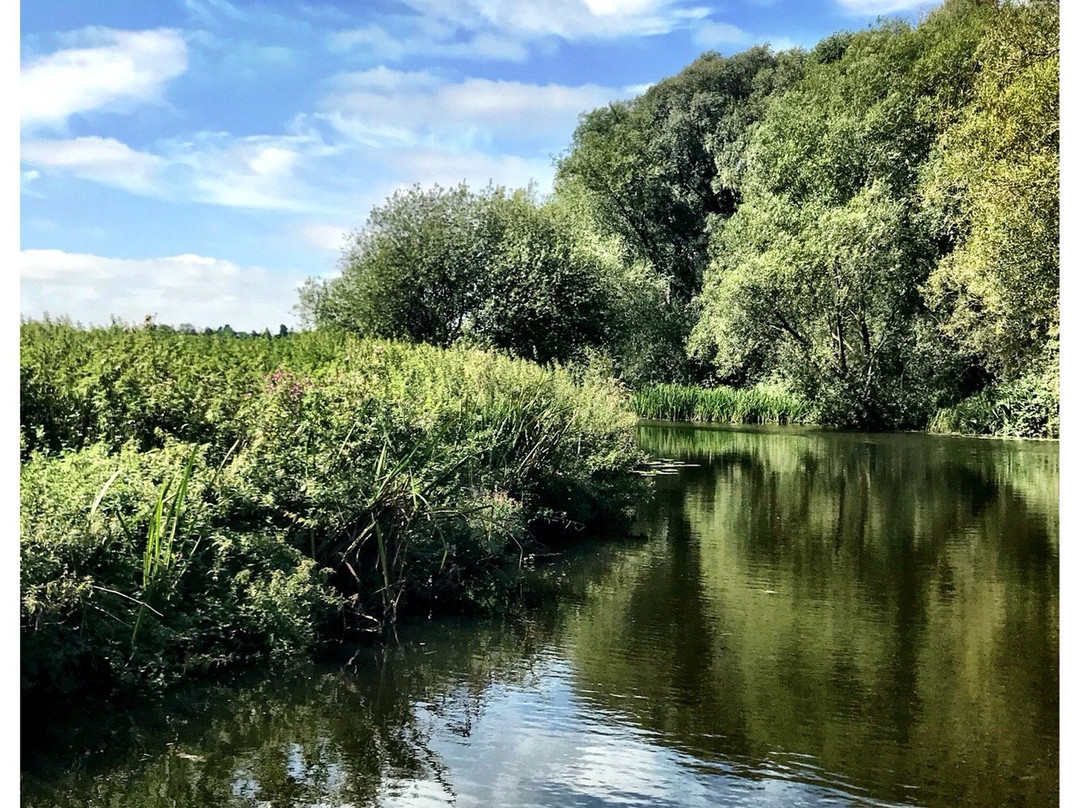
{"points": [[197, 159]]}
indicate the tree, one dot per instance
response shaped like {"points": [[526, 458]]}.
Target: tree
{"points": [[817, 276], [493, 268], [992, 185], [653, 170]]}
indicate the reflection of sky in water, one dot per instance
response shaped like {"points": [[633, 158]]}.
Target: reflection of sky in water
{"points": [[543, 745]]}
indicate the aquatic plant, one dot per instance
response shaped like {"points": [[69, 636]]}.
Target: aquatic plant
{"points": [[761, 404]]}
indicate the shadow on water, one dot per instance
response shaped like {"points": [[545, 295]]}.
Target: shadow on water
{"points": [[810, 618]]}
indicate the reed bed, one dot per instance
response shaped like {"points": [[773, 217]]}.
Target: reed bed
{"points": [[762, 404]]}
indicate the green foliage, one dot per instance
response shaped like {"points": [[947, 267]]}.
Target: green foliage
{"points": [[119, 384], [874, 222], [449, 437], [85, 586], [761, 404], [1027, 407], [992, 185], [825, 298], [838, 271], [653, 169], [492, 268], [360, 478], [648, 174]]}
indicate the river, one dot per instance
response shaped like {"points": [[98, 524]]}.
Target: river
{"points": [[805, 618]]}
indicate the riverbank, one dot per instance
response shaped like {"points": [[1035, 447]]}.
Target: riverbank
{"points": [[191, 502], [1026, 408], [761, 404]]}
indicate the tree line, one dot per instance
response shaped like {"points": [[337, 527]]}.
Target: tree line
{"points": [[872, 223]]}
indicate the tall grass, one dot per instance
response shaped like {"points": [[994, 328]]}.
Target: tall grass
{"points": [[762, 404]]}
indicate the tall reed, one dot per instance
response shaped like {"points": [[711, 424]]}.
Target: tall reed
{"points": [[761, 404]]}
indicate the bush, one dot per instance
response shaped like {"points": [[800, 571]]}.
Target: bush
{"points": [[88, 611], [1025, 408], [457, 451], [363, 475]]}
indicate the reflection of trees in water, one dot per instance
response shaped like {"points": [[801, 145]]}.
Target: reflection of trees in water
{"points": [[320, 736], [316, 734], [886, 603]]}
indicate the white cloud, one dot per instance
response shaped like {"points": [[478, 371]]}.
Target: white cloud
{"points": [[323, 236], [505, 30], [249, 172], [400, 37], [884, 6], [384, 80], [417, 108], [103, 160], [713, 34], [603, 8], [176, 289], [565, 19], [106, 70], [377, 130], [258, 172]]}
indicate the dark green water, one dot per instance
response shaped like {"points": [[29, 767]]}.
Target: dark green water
{"points": [[810, 619]]}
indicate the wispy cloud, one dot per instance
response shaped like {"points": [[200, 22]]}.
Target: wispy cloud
{"points": [[863, 7], [176, 289], [260, 171], [565, 19], [400, 37], [419, 108], [713, 34], [372, 131], [99, 159], [507, 30], [103, 70], [257, 172]]}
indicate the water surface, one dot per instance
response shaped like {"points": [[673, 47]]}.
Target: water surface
{"points": [[807, 619]]}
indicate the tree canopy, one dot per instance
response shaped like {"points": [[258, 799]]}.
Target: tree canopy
{"points": [[492, 267]]}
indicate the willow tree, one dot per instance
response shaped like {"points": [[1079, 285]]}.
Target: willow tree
{"points": [[650, 172], [817, 276], [993, 184]]}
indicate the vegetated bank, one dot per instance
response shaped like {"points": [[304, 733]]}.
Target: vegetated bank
{"points": [[192, 501], [1025, 408]]}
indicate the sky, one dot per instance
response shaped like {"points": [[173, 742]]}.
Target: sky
{"points": [[196, 160]]}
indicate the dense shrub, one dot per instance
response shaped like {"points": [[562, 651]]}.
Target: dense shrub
{"points": [[88, 610], [359, 478], [121, 384], [1025, 408]]}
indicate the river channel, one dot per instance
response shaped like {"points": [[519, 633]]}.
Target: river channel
{"points": [[804, 618]]}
